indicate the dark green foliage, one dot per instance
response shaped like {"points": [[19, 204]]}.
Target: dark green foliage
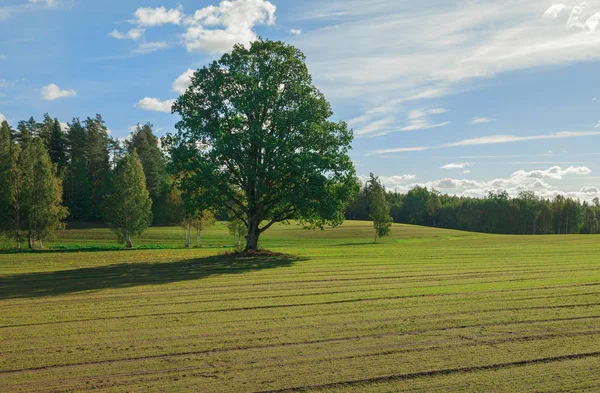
{"points": [[57, 147], [78, 191], [254, 125], [497, 213], [97, 162], [153, 161], [378, 207], [128, 207]]}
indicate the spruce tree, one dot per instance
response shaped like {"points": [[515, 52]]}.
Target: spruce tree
{"points": [[5, 165], [97, 163], [77, 190], [153, 160], [56, 146], [379, 208], [128, 207]]}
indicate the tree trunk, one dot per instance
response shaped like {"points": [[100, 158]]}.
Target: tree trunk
{"points": [[253, 234], [239, 239], [41, 244], [128, 240], [198, 237], [375, 240], [186, 233], [31, 245]]}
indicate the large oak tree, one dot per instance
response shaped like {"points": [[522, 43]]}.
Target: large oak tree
{"points": [[255, 136]]}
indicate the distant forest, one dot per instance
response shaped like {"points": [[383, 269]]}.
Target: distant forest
{"points": [[526, 214], [84, 154]]}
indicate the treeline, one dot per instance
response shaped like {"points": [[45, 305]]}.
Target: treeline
{"points": [[526, 213], [50, 172]]}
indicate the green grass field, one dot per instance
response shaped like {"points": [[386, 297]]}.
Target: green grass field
{"points": [[426, 310]]}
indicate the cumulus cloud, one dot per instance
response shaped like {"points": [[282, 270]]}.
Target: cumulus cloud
{"points": [[132, 34], [53, 92], [218, 28], [147, 16], [554, 10], [183, 81], [554, 172], [64, 126], [514, 184], [295, 31], [482, 120], [391, 182], [461, 165], [597, 125], [213, 29], [155, 105]]}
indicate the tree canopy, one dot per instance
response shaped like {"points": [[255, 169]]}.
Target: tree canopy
{"points": [[255, 136]]}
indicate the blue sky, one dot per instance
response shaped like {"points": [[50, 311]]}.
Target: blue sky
{"points": [[466, 97]]}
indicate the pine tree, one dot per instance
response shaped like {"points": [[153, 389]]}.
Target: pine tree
{"points": [[5, 166], [77, 190], [56, 146], [379, 208], [128, 207], [97, 163]]}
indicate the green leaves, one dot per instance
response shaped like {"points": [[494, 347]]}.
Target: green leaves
{"points": [[253, 123], [128, 207]]}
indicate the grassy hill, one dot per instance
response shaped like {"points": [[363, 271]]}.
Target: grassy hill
{"points": [[426, 310]]}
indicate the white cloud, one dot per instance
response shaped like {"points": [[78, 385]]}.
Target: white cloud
{"points": [[237, 19], [554, 11], [149, 47], [295, 31], [461, 165], [597, 125], [132, 34], [2, 118], [213, 29], [53, 92], [183, 81], [391, 182], [48, 3], [373, 124], [482, 120], [147, 16], [513, 185], [357, 58], [64, 126], [493, 139], [155, 105], [554, 172], [466, 172]]}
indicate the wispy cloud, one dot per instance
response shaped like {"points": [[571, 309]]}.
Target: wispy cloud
{"points": [[356, 56], [461, 165], [482, 120], [493, 139], [383, 121]]}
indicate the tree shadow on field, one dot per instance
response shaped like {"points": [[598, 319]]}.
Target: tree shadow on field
{"points": [[126, 275]]}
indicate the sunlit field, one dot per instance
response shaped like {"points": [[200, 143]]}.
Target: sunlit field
{"points": [[425, 310]]}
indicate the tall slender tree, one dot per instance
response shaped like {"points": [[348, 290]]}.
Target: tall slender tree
{"points": [[44, 203], [379, 208], [128, 207], [97, 163], [77, 190], [143, 140]]}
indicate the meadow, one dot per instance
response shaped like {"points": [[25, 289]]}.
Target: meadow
{"points": [[425, 310]]}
